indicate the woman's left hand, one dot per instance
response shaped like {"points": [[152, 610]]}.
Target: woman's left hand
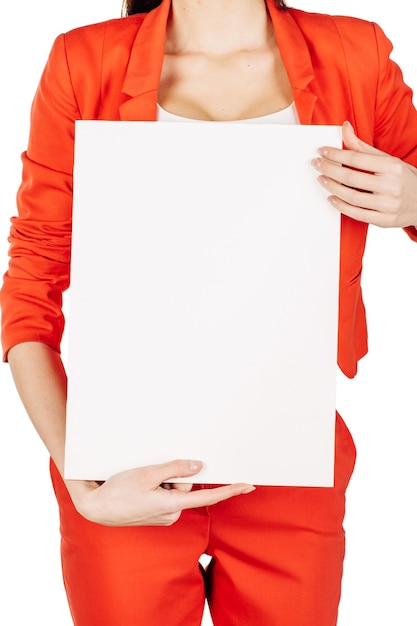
{"points": [[372, 186]]}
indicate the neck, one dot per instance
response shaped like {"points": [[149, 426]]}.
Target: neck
{"points": [[217, 27]]}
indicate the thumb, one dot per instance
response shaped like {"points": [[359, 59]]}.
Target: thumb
{"points": [[352, 141], [180, 468]]}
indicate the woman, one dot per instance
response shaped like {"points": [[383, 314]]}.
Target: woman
{"points": [[130, 546]]}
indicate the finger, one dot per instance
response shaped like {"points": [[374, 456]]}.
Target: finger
{"points": [[207, 497], [184, 487], [357, 197], [357, 154], [180, 468], [352, 178], [369, 216], [352, 141], [369, 163]]}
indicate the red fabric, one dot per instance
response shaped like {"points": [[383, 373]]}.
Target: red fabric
{"points": [[111, 71], [277, 559]]}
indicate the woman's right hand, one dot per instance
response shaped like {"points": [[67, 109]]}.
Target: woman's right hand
{"points": [[140, 497]]}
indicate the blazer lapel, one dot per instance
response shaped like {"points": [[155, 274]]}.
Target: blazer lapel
{"points": [[145, 65], [143, 73], [297, 60]]}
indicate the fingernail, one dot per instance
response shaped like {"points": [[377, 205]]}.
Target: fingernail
{"points": [[323, 180], [332, 200], [195, 465], [316, 163], [323, 151], [249, 489]]}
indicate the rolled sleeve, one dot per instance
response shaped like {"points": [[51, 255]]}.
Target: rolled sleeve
{"points": [[40, 234]]}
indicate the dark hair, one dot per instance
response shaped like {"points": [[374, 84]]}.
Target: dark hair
{"points": [[130, 7]]}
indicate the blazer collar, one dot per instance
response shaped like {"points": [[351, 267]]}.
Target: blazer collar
{"points": [[145, 65], [144, 68], [296, 59]]}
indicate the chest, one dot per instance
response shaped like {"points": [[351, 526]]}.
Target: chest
{"points": [[228, 87]]}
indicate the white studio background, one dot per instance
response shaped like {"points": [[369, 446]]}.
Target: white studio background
{"points": [[379, 405]]}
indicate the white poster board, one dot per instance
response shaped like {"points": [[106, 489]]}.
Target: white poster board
{"points": [[203, 302]]}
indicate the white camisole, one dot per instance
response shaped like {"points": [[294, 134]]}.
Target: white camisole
{"points": [[285, 116]]}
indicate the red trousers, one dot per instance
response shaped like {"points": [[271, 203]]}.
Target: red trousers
{"points": [[277, 556]]}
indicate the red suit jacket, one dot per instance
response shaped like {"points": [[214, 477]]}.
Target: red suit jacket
{"points": [[339, 69]]}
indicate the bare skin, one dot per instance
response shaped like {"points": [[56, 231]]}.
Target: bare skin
{"points": [[372, 186], [222, 62]]}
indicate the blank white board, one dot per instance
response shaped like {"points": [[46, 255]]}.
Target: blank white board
{"points": [[203, 302]]}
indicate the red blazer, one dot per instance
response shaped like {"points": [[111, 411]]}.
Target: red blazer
{"points": [[339, 69]]}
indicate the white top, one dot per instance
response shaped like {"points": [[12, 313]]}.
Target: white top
{"points": [[285, 116]]}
